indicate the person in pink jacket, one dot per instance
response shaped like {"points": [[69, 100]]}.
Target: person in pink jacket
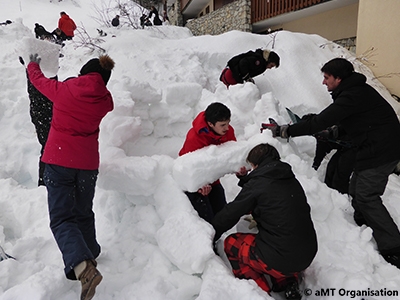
{"points": [[66, 25], [71, 155]]}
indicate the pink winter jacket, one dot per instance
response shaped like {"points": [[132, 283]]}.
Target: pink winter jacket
{"points": [[79, 105]]}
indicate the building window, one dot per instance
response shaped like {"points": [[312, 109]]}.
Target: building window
{"points": [[208, 9]]}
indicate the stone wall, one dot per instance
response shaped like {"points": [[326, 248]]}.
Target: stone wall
{"points": [[174, 14], [234, 16]]}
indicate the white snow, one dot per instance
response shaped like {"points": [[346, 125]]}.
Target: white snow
{"points": [[154, 246]]}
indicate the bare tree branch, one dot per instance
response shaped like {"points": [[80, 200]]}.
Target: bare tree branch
{"points": [[83, 39]]}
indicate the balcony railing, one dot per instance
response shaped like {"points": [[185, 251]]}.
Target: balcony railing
{"points": [[265, 9]]}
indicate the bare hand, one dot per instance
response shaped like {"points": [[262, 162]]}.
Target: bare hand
{"points": [[205, 190]]}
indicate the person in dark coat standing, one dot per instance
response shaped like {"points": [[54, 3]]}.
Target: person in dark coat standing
{"points": [[41, 112], [72, 160], [244, 67], [374, 128], [210, 127], [115, 21], [286, 241], [156, 20]]}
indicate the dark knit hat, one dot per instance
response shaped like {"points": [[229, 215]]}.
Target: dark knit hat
{"points": [[271, 57], [102, 65]]}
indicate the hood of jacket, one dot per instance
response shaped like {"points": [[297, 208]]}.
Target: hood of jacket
{"points": [[269, 168], [200, 126], [355, 79]]}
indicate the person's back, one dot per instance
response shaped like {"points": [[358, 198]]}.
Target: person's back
{"points": [[371, 121], [156, 19], [75, 134], [72, 160], [286, 238], [66, 25], [286, 241], [115, 21]]}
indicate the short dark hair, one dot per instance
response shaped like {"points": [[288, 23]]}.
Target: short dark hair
{"points": [[261, 152], [217, 112], [273, 58], [338, 68]]}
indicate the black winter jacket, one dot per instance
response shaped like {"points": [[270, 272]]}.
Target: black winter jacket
{"points": [[286, 240], [247, 65], [366, 116]]}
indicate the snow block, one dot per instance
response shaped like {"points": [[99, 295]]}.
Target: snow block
{"points": [[48, 52]]}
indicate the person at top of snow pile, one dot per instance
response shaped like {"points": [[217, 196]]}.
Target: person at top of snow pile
{"points": [[210, 127], [156, 19], [286, 241], [373, 128], [115, 21], [72, 160], [66, 25], [244, 67], [42, 33], [7, 22]]}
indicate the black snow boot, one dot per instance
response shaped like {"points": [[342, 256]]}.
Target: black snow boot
{"points": [[292, 291]]}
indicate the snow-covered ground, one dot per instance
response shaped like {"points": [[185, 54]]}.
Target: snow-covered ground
{"points": [[154, 244]]}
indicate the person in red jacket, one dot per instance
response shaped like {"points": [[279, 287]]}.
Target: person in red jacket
{"points": [[66, 25], [210, 127], [71, 156]]}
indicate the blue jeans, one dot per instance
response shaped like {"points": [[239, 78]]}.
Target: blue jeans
{"points": [[70, 201]]}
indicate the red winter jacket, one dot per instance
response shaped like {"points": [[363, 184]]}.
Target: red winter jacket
{"points": [[67, 25], [79, 105], [201, 135]]}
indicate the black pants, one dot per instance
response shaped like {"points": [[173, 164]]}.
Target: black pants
{"points": [[70, 201], [366, 188], [208, 206], [339, 170]]}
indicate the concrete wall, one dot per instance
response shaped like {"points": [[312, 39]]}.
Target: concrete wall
{"points": [[234, 16], [333, 25], [379, 28]]}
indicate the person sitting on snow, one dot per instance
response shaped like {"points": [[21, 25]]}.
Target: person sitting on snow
{"points": [[286, 242], [210, 127], [244, 67]]}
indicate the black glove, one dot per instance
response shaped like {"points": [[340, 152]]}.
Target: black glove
{"points": [[331, 133], [308, 116], [277, 130], [35, 58]]}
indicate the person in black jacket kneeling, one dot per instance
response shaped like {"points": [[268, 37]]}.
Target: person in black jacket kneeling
{"points": [[286, 241]]}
